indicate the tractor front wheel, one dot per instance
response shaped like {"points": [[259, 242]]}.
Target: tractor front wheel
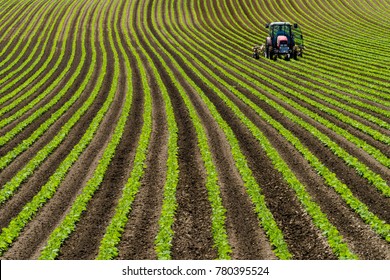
{"points": [[271, 54]]}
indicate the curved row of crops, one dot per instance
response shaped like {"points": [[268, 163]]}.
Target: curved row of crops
{"points": [[144, 129]]}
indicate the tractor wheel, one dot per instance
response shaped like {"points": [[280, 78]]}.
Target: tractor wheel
{"points": [[295, 55], [271, 54]]}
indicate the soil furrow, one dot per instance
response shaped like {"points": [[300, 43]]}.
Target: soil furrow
{"points": [[138, 237]]}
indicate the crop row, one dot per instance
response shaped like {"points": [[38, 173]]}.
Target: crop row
{"points": [[373, 178], [325, 60], [331, 49], [39, 112], [333, 37], [40, 86], [333, 81]]}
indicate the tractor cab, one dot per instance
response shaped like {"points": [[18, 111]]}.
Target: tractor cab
{"points": [[284, 40], [280, 29]]}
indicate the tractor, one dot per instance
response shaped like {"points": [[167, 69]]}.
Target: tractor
{"points": [[284, 41]]}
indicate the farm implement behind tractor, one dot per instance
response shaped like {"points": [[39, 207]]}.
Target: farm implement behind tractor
{"points": [[284, 41]]}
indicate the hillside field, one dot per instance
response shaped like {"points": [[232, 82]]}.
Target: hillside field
{"points": [[144, 129]]}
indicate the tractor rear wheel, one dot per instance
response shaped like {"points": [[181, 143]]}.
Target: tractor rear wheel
{"points": [[271, 54]]}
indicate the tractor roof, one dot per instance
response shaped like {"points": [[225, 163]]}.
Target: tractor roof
{"points": [[279, 23]]}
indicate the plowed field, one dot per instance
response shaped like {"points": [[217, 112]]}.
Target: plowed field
{"points": [[144, 129]]}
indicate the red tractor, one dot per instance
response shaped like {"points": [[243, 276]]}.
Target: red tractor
{"points": [[284, 40]]}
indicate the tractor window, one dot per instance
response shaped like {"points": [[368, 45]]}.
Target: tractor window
{"points": [[278, 30]]}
